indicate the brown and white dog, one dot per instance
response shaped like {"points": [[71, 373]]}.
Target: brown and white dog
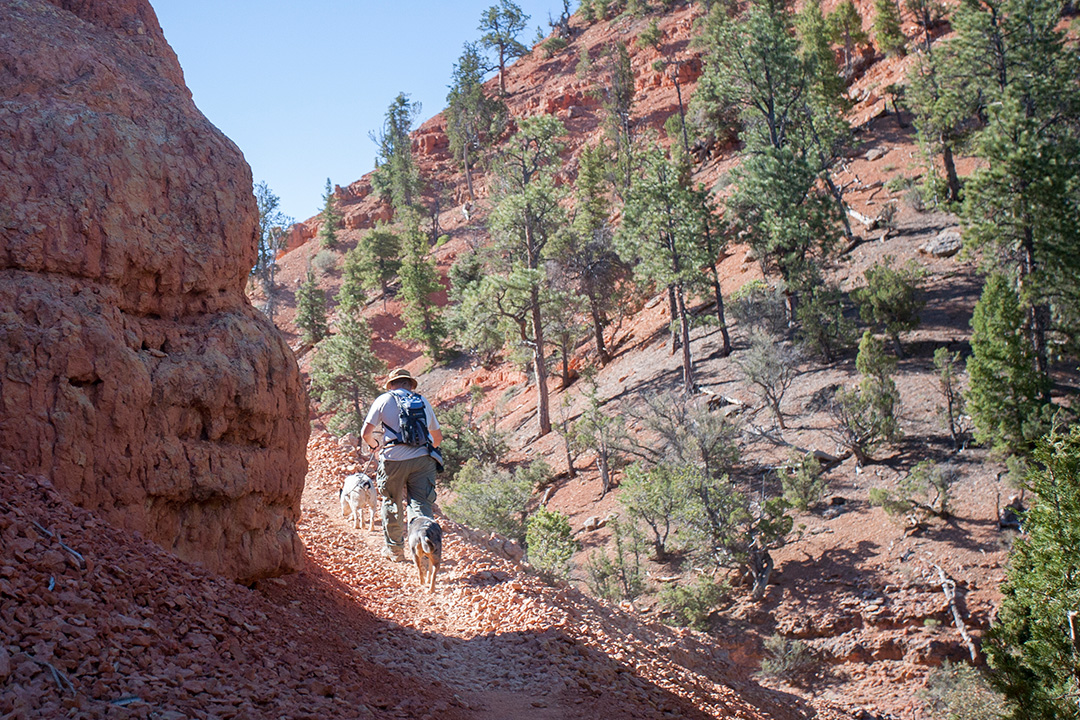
{"points": [[425, 545], [357, 493]]}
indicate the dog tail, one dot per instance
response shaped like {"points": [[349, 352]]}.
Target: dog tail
{"points": [[432, 538]]}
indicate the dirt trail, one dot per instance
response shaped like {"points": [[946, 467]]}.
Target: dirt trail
{"points": [[505, 643]]}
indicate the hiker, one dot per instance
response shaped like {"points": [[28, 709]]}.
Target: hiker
{"points": [[408, 459]]}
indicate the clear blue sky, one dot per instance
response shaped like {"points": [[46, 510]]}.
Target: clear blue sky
{"points": [[298, 85]]}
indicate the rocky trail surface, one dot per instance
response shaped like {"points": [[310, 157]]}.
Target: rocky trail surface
{"points": [[99, 623]]}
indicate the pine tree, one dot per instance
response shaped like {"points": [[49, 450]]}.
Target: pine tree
{"points": [[1005, 389], [944, 102], [273, 226], [419, 282], [888, 35], [660, 237], [618, 103], [378, 258], [891, 298], [1032, 643], [396, 176], [845, 26], [311, 309], [330, 218], [817, 54], [866, 415], [473, 120], [754, 66], [351, 296], [501, 25], [344, 375], [1018, 75], [586, 255], [526, 216]]}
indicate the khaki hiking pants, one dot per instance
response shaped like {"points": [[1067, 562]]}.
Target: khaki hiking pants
{"points": [[407, 485]]}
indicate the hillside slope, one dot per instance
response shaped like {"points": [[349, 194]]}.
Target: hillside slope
{"points": [[862, 591]]}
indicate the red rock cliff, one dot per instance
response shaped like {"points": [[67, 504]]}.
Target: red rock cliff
{"points": [[133, 371]]}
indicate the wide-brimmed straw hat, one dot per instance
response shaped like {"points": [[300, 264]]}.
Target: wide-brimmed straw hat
{"points": [[400, 374]]}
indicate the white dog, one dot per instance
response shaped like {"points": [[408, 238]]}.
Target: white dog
{"points": [[358, 492]]}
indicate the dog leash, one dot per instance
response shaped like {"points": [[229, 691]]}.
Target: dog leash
{"points": [[371, 459]]}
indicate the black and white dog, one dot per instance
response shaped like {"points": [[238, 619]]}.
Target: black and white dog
{"points": [[425, 545], [357, 493]]}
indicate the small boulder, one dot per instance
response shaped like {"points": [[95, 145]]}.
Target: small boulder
{"points": [[875, 154], [946, 244], [593, 524]]}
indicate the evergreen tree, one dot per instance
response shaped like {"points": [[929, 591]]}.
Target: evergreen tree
{"points": [[311, 309], [817, 54], [273, 227], [396, 176], [378, 258], [888, 35], [419, 282], [586, 255], [1005, 391], [753, 66], [657, 498], [618, 104], [944, 100], [550, 542], [823, 328], [501, 25], [866, 415], [604, 433], [473, 120], [845, 27], [891, 298], [660, 236], [351, 296], [1032, 645], [526, 216], [1020, 207], [344, 375], [330, 217]]}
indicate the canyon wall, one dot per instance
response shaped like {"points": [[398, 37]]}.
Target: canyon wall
{"points": [[133, 371]]}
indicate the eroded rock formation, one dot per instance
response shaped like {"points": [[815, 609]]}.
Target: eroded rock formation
{"points": [[133, 371]]}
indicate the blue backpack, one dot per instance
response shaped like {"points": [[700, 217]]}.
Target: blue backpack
{"points": [[412, 418]]}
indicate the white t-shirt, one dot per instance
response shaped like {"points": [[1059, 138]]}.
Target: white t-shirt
{"points": [[385, 410]]}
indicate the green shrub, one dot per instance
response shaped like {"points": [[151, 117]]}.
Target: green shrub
{"points": [[892, 298], [823, 329], [618, 577], [922, 493], [801, 479], [491, 499], [550, 542], [690, 605], [757, 305], [899, 183], [553, 45], [787, 659], [957, 691], [325, 261]]}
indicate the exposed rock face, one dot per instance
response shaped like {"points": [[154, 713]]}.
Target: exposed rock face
{"points": [[133, 371]]}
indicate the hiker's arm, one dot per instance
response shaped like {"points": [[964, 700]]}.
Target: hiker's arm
{"points": [[368, 433], [436, 437]]}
